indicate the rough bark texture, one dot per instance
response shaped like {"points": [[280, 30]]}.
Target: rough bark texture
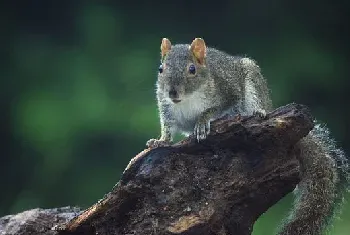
{"points": [[219, 186]]}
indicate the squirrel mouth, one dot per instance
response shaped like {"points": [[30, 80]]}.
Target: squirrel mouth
{"points": [[175, 100]]}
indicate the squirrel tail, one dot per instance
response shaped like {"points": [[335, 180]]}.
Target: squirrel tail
{"points": [[324, 181]]}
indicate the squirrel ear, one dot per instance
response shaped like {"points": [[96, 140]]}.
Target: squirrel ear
{"points": [[165, 47], [199, 50]]}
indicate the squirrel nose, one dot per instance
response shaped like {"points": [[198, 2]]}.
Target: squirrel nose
{"points": [[173, 94]]}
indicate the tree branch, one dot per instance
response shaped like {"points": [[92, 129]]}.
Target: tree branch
{"points": [[218, 186]]}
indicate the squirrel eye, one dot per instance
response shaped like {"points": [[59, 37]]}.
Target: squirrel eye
{"points": [[160, 69], [192, 69]]}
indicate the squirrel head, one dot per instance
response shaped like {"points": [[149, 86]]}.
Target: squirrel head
{"points": [[183, 69]]}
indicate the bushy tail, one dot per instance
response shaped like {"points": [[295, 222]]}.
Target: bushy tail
{"points": [[324, 181]]}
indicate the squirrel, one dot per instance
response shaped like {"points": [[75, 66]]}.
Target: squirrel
{"points": [[198, 84]]}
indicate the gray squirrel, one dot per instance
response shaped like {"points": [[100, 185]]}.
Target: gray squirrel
{"points": [[198, 84]]}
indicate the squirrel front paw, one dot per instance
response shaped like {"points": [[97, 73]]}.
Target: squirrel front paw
{"points": [[202, 129], [260, 113], [155, 143]]}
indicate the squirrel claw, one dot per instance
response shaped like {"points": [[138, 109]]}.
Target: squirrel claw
{"points": [[154, 143], [201, 130], [238, 117]]}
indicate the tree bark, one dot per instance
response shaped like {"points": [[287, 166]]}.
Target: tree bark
{"points": [[218, 186]]}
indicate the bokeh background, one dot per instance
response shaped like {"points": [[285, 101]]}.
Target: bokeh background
{"points": [[78, 80]]}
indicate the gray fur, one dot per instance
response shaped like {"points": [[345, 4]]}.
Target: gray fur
{"points": [[226, 85], [235, 85]]}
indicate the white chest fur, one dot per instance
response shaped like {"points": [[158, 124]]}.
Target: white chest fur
{"points": [[185, 113]]}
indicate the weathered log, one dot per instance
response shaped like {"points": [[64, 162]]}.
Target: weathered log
{"points": [[218, 186]]}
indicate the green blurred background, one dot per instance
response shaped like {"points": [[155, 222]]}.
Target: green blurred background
{"points": [[78, 80]]}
